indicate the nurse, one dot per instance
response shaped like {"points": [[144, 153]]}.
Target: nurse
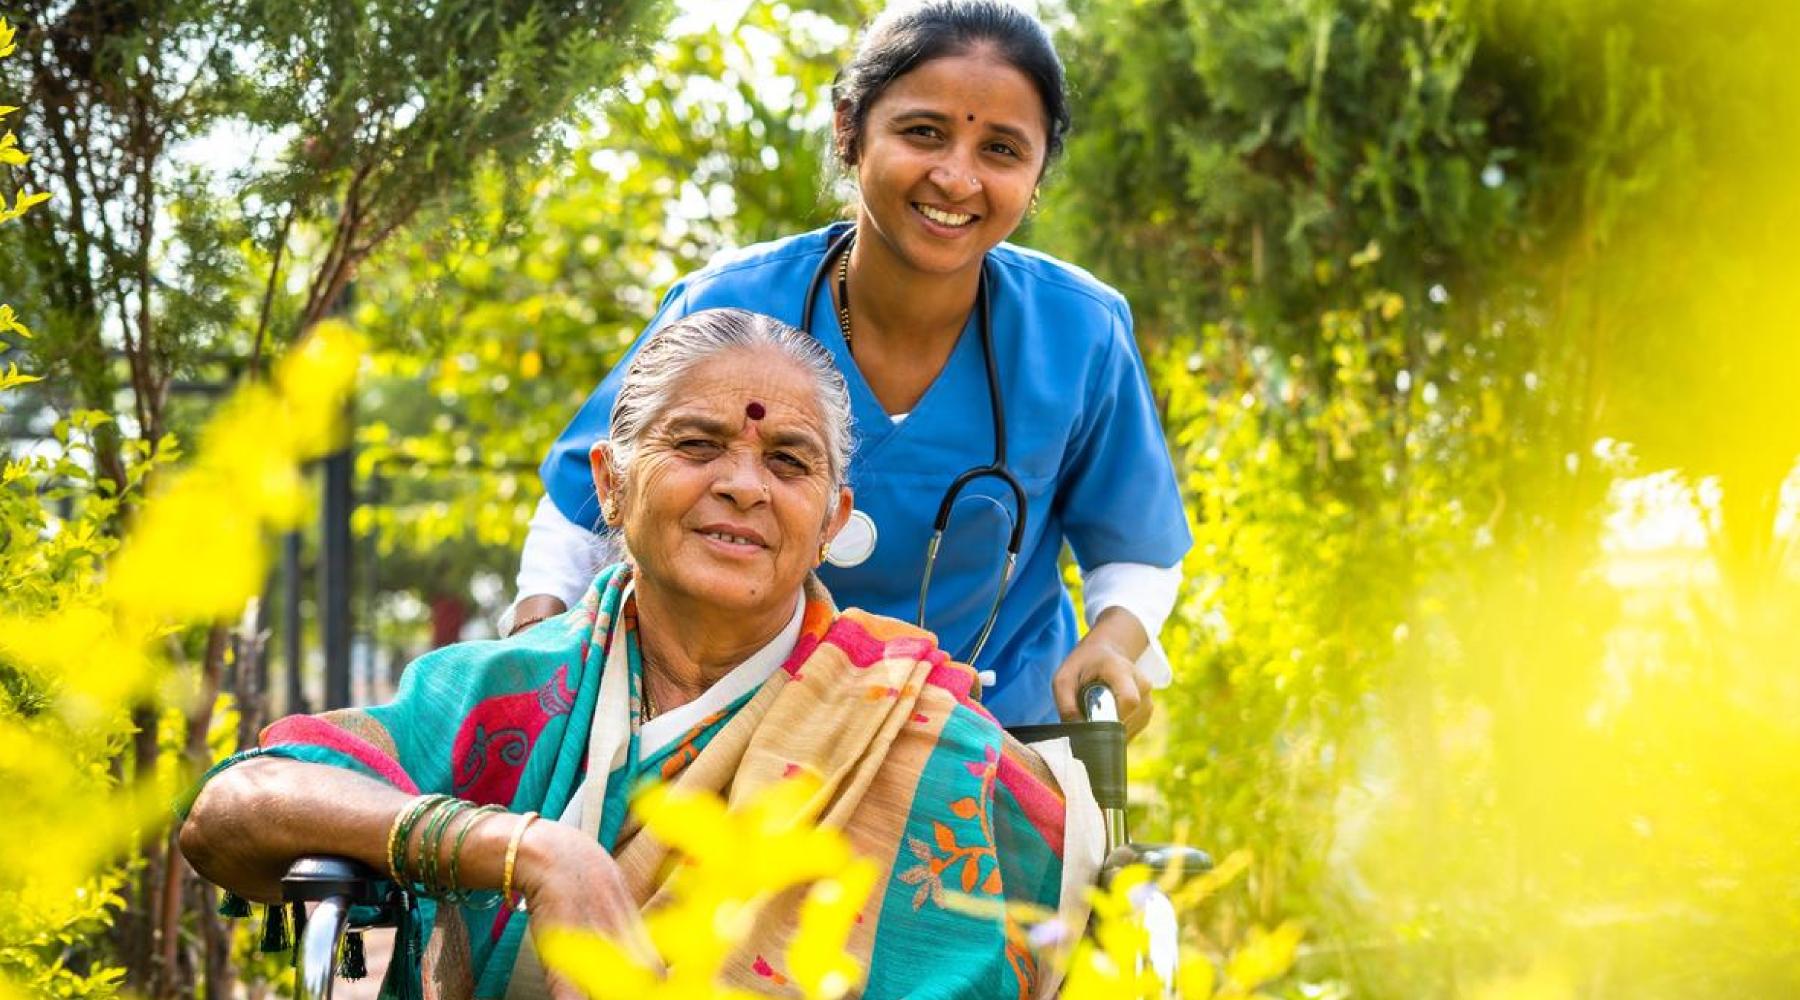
{"points": [[947, 117]]}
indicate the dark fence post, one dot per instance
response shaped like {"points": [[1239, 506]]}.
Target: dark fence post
{"points": [[336, 568], [291, 639]]}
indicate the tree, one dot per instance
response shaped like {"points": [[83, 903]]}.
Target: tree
{"points": [[372, 110], [1280, 206], [151, 271], [39, 573], [1675, 225]]}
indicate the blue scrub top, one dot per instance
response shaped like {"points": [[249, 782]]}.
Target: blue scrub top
{"points": [[1082, 437]]}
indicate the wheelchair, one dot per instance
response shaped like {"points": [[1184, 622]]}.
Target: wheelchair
{"points": [[347, 897]]}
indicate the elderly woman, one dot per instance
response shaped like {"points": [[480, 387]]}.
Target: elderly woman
{"points": [[710, 659]]}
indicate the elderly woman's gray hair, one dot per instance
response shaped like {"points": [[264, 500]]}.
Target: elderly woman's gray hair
{"points": [[676, 349]]}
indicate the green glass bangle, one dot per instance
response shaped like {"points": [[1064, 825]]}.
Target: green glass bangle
{"points": [[457, 893], [422, 859], [431, 843], [401, 840]]}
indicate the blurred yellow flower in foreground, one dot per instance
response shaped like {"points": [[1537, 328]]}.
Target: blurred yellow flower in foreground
{"points": [[195, 555], [197, 551], [734, 862]]}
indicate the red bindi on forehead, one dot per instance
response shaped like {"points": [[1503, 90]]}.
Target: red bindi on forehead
{"points": [[755, 411]]}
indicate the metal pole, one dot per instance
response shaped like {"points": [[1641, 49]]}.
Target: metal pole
{"points": [[1098, 704], [335, 575], [290, 621], [371, 651], [319, 948]]}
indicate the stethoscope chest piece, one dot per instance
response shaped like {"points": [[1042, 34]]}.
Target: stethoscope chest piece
{"points": [[855, 543]]}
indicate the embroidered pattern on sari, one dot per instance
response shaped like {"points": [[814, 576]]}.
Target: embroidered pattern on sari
{"points": [[495, 740], [929, 873], [673, 759]]}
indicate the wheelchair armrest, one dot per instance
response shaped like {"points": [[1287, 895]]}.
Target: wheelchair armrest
{"points": [[1161, 859], [349, 897], [317, 877]]}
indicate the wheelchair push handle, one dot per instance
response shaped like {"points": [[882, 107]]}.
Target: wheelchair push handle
{"points": [[316, 877], [1099, 704]]}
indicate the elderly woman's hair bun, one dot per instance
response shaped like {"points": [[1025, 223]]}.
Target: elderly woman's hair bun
{"points": [[673, 351]]}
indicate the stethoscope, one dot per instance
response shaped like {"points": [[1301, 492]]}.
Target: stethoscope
{"points": [[995, 469]]}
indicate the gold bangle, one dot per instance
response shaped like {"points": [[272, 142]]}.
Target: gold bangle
{"points": [[512, 858]]}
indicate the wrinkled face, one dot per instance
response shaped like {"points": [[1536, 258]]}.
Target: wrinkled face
{"points": [[948, 158], [724, 504]]}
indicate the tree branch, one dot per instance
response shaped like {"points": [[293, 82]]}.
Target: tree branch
{"points": [[328, 284], [268, 299]]}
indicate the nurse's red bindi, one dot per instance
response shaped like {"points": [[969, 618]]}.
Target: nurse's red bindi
{"points": [[755, 411]]}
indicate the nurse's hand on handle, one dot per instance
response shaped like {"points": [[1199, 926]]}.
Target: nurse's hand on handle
{"points": [[1108, 654]]}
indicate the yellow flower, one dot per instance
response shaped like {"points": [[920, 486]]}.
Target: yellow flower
{"points": [[817, 960], [1265, 956], [735, 860], [196, 554], [9, 322]]}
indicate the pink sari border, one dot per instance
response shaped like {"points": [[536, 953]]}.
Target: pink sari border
{"points": [[1038, 801], [310, 729]]}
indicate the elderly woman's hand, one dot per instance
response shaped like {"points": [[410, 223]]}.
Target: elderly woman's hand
{"points": [[571, 881]]}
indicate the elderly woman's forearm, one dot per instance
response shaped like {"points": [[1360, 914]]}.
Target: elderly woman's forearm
{"points": [[251, 821]]}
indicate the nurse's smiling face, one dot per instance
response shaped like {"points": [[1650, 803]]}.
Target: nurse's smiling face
{"points": [[724, 505], [948, 158]]}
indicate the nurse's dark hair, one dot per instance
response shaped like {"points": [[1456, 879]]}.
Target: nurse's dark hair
{"points": [[906, 37], [673, 351]]}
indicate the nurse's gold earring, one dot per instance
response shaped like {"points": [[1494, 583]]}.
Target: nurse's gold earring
{"points": [[824, 550]]}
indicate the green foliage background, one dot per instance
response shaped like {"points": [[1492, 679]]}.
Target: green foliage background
{"points": [[1424, 284], [155, 278]]}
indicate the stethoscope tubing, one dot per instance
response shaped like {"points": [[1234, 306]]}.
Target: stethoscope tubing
{"points": [[993, 470]]}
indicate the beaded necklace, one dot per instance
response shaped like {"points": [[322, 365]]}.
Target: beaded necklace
{"points": [[843, 290]]}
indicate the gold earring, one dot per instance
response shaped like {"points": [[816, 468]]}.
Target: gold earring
{"points": [[1034, 202], [609, 509], [824, 551]]}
